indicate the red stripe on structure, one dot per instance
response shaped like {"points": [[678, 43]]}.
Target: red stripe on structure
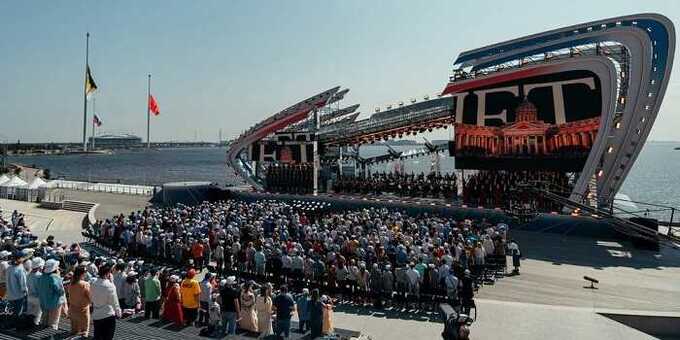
{"points": [[501, 77]]}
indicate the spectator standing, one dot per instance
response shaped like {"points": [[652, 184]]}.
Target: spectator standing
{"points": [[172, 309], [219, 257], [33, 305], [231, 307], [190, 291], [51, 294], [79, 299], [4, 264], [284, 305], [119, 278], [260, 262], [152, 295], [467, 292], [248, 315], [131, 292], [105, 306], [197, 253], [17, 290], [205, 299], [263, 306], [303, 307], [327, 304], [513, 247], [215, 316], [315, 315], [451, 283]]}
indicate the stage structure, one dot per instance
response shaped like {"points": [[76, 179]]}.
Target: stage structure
{"points": [[579, 99]]}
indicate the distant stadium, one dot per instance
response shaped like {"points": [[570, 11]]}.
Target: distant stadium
{"points": [[116, 141]]}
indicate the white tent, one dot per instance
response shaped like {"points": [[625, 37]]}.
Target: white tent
{"points": [[9, 188], [37, 183], [14, 182], [3, 179]]}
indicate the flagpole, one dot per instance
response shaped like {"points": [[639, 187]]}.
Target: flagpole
{"points": [[87, 52], [148, 115], [94, 112]]}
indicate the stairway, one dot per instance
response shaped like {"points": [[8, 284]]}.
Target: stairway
{"points": [[591, 195], [623, 226], [77, 206]]}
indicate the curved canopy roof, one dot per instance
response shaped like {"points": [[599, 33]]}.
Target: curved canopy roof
{"points": [[37, 183], [14, 182]]}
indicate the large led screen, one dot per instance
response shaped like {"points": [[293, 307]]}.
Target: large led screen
{"points": [[544, 122]]}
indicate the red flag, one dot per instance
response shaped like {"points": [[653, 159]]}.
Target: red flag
{"points": [[153, 106]]}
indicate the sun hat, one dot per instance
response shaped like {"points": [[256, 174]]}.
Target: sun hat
{"points": [[38, 263], [230, 280], [51, 266]]}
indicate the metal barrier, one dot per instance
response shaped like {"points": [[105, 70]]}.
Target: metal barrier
{"points": [[127, 189]]}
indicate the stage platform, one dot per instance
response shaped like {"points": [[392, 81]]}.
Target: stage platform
{"points": [[411, 205]]}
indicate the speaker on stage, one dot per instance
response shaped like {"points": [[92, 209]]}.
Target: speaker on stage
{"points": [[452, 147]]}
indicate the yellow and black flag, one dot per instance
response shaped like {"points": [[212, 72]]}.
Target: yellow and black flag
{"points": [[90, 86]]}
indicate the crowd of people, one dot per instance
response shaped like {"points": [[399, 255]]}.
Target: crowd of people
{"points": [[290, 178], [431, 185], [248, 265], [501, 189]]}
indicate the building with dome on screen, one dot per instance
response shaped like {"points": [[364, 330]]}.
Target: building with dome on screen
{"points": [[528, 136]]}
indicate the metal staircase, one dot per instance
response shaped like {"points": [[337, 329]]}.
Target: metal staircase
{"points": [[621, 225]]}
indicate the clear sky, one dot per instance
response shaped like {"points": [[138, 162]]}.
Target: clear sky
{"points": [[229, 64]]}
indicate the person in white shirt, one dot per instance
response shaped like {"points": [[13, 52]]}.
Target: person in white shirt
{"points": [[105, 306]]}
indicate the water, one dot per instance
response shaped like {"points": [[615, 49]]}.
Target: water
{"points": [[145, 167], [655, 177]]}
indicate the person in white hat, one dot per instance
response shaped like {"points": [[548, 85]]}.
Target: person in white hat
{"points": [[4, 264], [231, 307], [33, 305], [172, 309], [51, 294]]}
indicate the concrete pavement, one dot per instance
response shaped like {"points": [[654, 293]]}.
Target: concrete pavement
{"points": [[64, 225]]}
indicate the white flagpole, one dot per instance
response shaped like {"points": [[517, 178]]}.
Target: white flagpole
{"points": [[87, 52], [94, 113]]}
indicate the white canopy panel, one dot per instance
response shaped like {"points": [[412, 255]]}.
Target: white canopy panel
{"points": [[14, 182]]}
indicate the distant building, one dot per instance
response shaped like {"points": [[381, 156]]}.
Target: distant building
{"points": [[116, 141]]}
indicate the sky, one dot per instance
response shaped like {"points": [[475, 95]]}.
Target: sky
{"points": [[229, 64]]}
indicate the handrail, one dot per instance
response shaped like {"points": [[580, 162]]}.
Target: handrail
{"points": [[621, 225]]}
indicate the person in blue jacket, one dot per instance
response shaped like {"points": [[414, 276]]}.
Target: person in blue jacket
{"points": [[51, 294], [303, 304]]}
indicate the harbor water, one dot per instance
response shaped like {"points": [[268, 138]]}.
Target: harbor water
{"points": [[654, 178]]}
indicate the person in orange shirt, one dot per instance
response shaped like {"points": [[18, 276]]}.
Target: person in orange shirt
{"points": [[190, 291], [197, 254]]}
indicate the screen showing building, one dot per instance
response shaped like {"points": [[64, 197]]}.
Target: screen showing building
{"points": [[544, 122]]}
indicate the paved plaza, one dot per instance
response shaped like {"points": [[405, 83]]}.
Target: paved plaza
{"points": [[547, 301]]}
